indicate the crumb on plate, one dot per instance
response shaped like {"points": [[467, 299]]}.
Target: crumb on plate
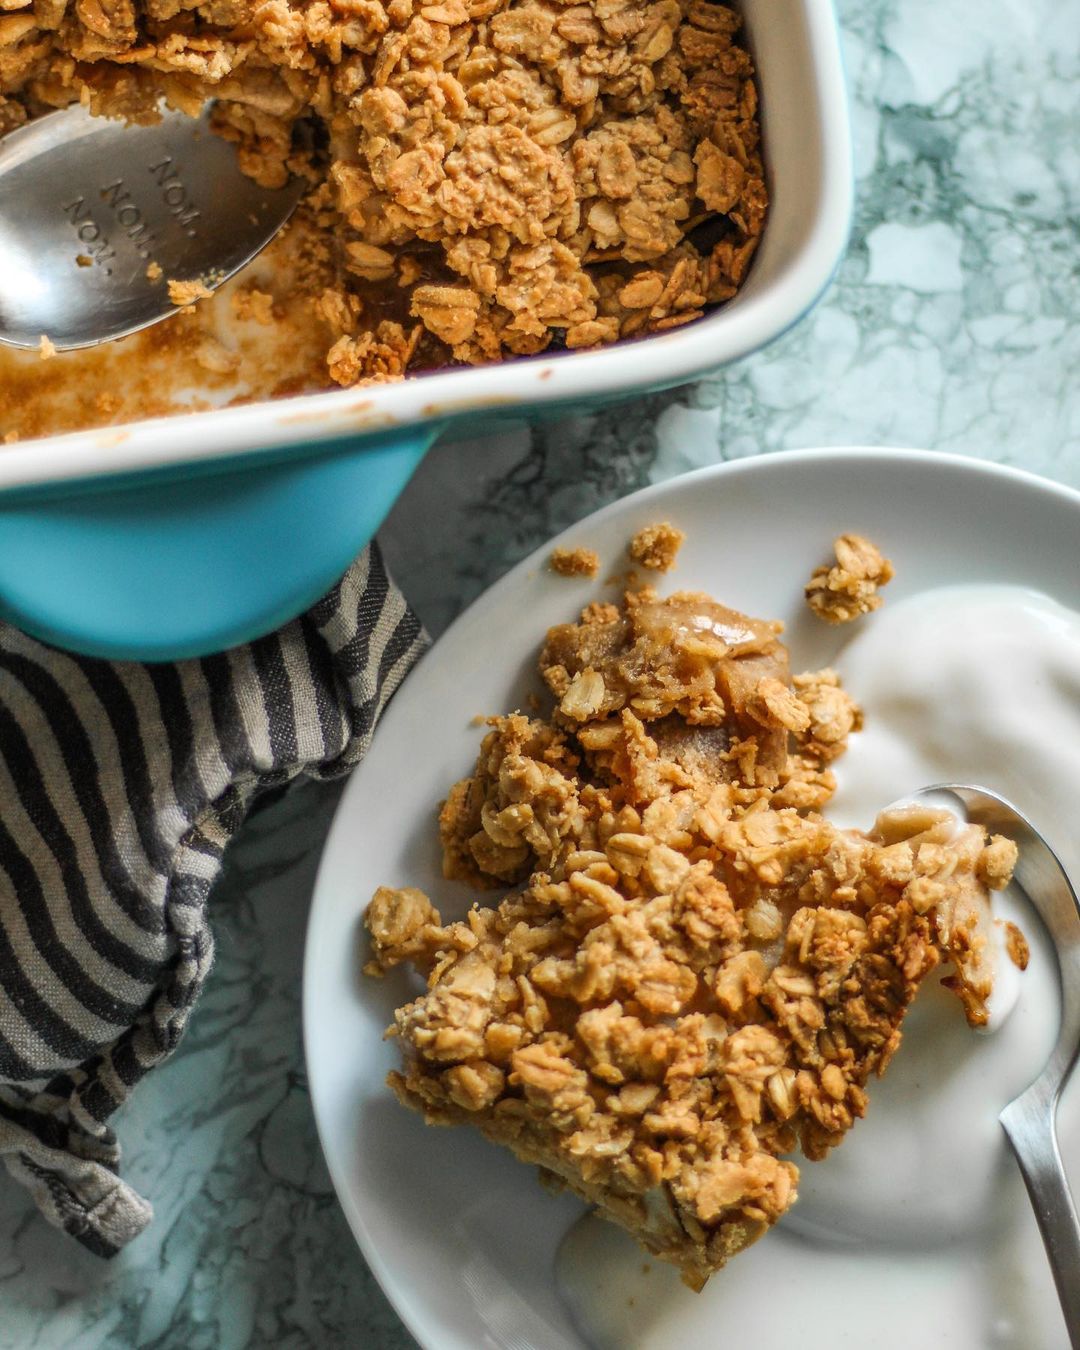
{"points": [[574, 562], [1016, 945], [46, 349], [841, 592], [656, 546]]}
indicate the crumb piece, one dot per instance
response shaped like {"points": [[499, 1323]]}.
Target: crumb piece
{"points": [[46, 350], [998, 862], [188, 292], [379, 355], [848, 589], [574, 562], [154, 272], [657, 546], [83, 260], [10, 437], [252, 305], [398, 919], [833, 713], [1017, 946], [477, 720]]}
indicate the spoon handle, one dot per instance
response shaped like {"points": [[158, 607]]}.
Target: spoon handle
{"points": [[1030, 1128]]}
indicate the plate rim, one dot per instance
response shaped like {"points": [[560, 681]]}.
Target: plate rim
{"points": [[753, 465]]}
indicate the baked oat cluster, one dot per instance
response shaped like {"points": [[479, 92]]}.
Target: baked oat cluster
{"points": [[656, 546], [574, 562], [694, 974], [842, 591], [498, 175]]}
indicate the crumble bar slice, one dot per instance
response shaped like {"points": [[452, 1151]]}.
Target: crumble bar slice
{"points": [[696, 974]]}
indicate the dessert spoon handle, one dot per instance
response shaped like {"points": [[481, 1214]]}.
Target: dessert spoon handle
{"points": [[1029, 1121], [1029, 1126]]}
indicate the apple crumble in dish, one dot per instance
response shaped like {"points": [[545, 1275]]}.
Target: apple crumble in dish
{"points": [[490, 178], [693, 974]]}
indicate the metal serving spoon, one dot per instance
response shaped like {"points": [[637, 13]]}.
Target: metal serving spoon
{"points": [[1029, 1120], [97, 216]]}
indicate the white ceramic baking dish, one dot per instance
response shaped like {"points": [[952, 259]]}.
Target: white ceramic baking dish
{"points": [[183, 535]]}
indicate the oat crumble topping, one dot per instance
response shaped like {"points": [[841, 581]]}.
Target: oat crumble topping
{"points": [[496, 176], [842, 592], [574, 562], [657, 546], [694, 974]]}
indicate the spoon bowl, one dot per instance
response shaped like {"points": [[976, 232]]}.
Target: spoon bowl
{"points": [[1029, 1120], [100, 215]]}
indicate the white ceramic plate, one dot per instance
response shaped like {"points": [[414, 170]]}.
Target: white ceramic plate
{"points": [[460, 1236]]}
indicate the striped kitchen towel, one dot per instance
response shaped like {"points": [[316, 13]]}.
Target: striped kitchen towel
{"points": [[120, 785]]}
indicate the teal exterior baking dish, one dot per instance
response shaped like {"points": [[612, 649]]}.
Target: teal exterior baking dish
{"points": [[184, 535]]}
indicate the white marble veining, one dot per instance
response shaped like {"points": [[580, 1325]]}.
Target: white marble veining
{"points": [[954, 324]]}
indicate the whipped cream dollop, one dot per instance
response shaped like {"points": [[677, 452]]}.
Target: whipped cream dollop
{"points": [[918, 1222]]}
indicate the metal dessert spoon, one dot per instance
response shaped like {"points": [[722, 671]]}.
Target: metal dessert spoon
{"points": [[98, 216], [1030, 1120]]}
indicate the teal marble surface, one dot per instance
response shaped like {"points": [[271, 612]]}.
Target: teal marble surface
{"points": [[954, 324]]}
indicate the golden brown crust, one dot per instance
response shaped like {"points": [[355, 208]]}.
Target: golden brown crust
{"points": [[697, 973]]}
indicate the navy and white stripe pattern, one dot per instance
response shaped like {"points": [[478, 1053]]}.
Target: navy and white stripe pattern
{"points": [[120, 785]]}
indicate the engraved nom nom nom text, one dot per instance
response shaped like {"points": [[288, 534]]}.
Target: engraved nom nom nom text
{"points": [[128, 216], [175, 194], [89, 232]]}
